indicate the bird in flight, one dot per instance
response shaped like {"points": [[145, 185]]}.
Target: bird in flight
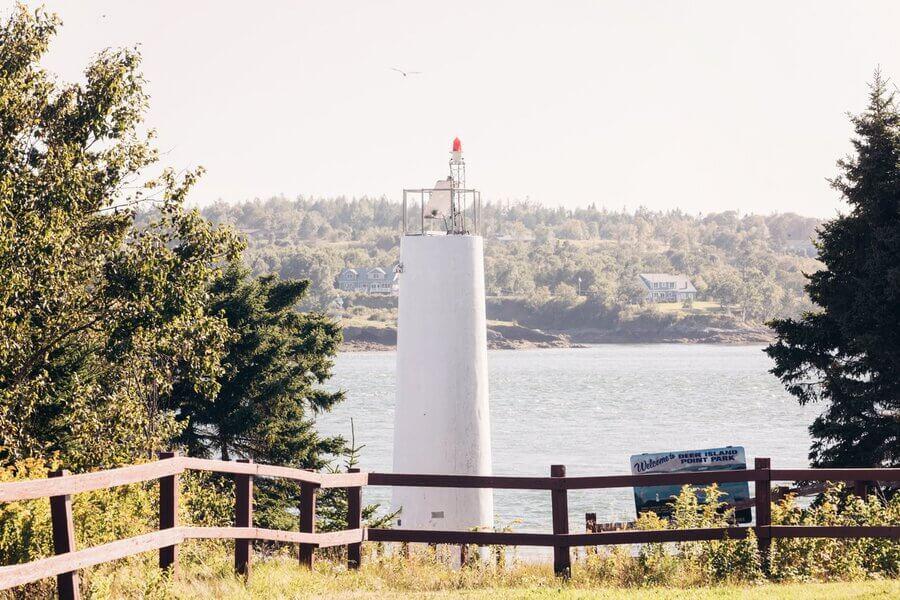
{"points": [[406, 73]]}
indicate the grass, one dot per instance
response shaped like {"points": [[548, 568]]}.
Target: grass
{"points": [[282, 581], [207, 573], [697, 307], [365, 322]]}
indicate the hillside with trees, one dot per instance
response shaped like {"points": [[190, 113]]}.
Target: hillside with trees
{"points": [[559, 270]]}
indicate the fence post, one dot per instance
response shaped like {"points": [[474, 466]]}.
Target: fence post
{"points": [[562, 564], [307, 521], [168, 515], [860, 488], [64, 540], [243, 517], [354, 521], [590, 526], [763, 487]]}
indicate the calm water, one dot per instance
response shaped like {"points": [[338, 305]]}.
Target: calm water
{"points": [[590, 409]]}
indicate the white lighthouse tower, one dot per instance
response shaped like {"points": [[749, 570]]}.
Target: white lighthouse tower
{"points": [[442, 419]]}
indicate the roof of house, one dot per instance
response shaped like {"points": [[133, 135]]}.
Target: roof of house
{"points": [[365, 273], [682, 283]]}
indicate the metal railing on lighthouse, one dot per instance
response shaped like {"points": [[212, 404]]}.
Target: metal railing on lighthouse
{"points": [[441, 211]]}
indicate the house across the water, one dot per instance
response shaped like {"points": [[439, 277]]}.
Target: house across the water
{"points": [[370, 280], [664, 287]]}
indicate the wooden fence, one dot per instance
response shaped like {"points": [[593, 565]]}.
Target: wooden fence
{"points": [[68, 560]]}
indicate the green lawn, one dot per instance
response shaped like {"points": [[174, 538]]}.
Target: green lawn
{"points": [[210, 575], [696, 308], [817, 591], [282, 586], [365, 322]]}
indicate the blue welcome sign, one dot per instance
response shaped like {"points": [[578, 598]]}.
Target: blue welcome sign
{"points": [[658, 497]]}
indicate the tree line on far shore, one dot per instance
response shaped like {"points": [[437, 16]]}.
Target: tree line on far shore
{"points": [[752, 263]]}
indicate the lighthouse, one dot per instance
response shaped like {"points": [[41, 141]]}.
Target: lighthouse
{"points": [[442, 418]]}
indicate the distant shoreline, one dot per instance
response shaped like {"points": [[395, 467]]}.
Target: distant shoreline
{"points": [[515, 337]]}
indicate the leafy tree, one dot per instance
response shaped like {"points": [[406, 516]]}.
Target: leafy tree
{"points": [[565, 291], [847, 353], [604, 290], [725, 285], [631, 291], [751, 293], [97, 318], [572, 229]]}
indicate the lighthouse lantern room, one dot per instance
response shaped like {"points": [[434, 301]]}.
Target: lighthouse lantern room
{"points": [[448, 207]]}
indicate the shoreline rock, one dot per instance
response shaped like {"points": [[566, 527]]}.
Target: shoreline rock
{"points": [[517, 337]]}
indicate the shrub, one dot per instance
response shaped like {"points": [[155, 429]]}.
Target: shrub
{"points": [[830, 559], [732, 561], [99, 516], [737, 561], [102, 516]]}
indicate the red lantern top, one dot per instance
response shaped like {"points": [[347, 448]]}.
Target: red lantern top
{"points": [[457, 145]]}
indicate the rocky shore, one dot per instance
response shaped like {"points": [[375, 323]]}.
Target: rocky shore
{"points": [[517, 337]]}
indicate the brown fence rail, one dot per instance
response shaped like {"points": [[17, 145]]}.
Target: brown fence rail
{"points": [[68, 561]]}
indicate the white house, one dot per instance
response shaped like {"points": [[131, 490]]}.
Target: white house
{"points": [[370, 280], [664, 287]]}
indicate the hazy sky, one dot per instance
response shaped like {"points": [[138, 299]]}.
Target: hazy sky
{"points": [[702, 106]]}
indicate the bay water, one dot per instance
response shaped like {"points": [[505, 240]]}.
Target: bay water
{"points": [[591, 409]]}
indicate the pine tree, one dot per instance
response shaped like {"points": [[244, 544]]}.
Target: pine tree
{"points": [[847, 354], [269, 389]]}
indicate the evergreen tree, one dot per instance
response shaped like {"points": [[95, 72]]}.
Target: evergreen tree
{"points": [[269, 390], [847, 354]]}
